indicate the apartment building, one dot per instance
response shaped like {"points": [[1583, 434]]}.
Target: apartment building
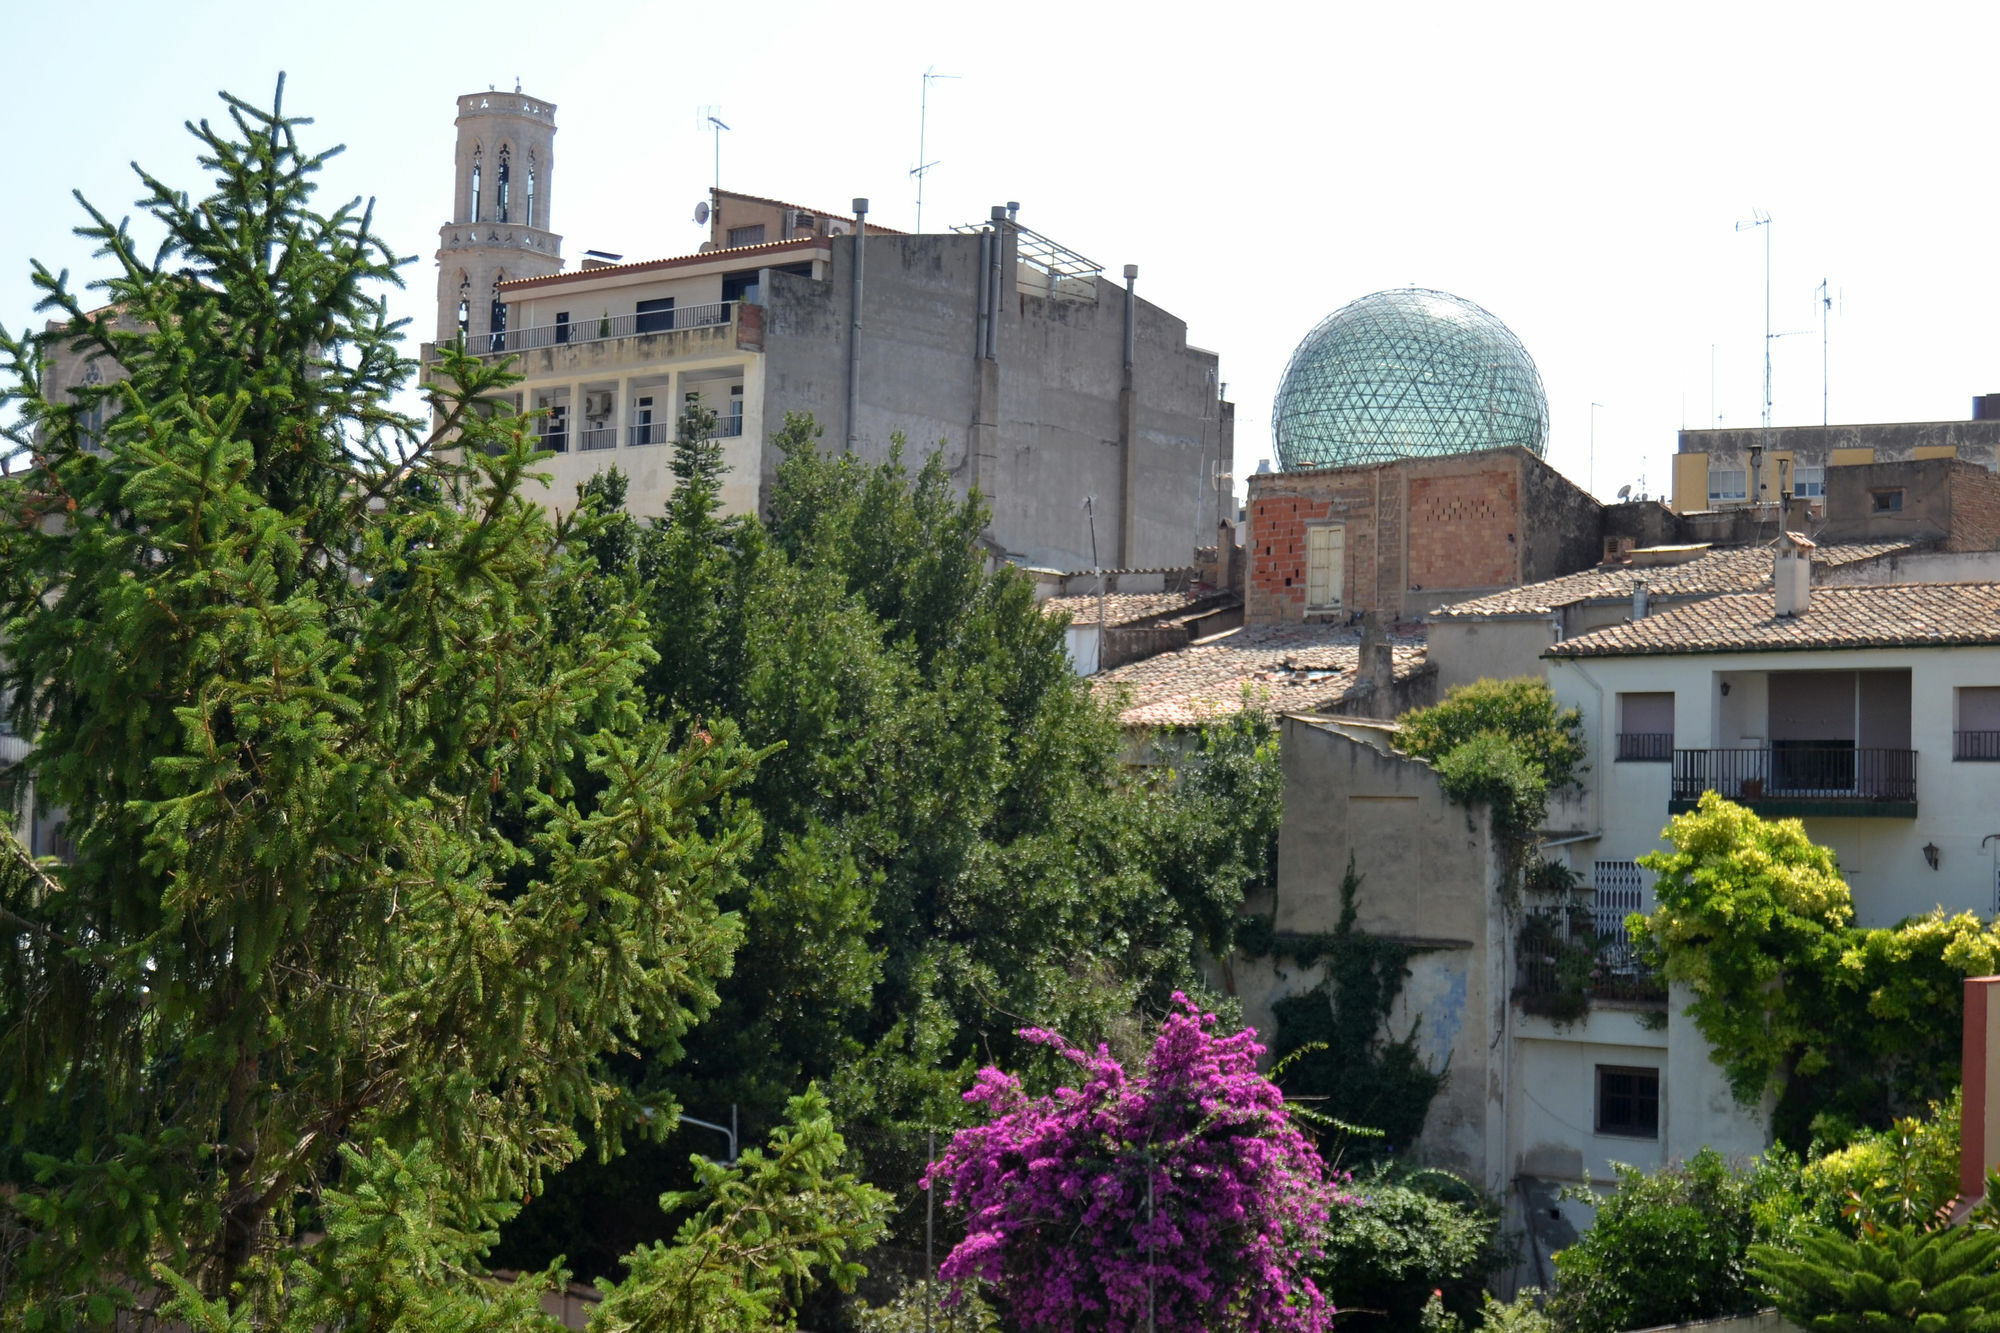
{"points": [[1044, 381]]}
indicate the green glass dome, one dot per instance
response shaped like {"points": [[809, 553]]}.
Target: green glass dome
{"points": [[1409, 373]]}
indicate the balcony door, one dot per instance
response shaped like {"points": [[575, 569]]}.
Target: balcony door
{"points": [[1838, 733]]}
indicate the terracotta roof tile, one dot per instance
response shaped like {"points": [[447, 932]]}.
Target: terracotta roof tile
{"points": [[1287, 668], [1128, 608], [675, 261], [1906, 615], [1730, 569]]}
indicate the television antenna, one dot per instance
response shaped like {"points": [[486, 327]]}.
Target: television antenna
{"points": [[924, 164], [1825, 294], [1759, 218], [708, 120]]}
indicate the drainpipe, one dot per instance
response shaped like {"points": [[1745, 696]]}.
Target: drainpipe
{"points": [[993, 280], [1127, 423], [854, 332], [985, 295]]}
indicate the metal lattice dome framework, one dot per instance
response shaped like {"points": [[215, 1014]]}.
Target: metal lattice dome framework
{"points": [[1409, 373]]}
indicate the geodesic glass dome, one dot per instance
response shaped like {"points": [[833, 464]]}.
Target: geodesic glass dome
{"points": [[1409, 373]]}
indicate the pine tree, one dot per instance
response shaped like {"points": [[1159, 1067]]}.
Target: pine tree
{"points": [[1886, 1280], [363, 851]]}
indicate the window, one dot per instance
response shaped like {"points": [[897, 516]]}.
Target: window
{"points": [[1886, 501], [464, 307], [1809, 483], [531, 187], [498, 315], [500, 187], [733, 425], [1618, 889], [555, 427], [475, 185], [1726, 484], [1646, 726], [751, 235], [1628, 1102], [562, 326], [90, 411], [655, 316], [1977, 736], [1326, 565], [642, 421]]}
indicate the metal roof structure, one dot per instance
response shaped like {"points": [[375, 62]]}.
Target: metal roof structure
{"points": [[1408, 373]]}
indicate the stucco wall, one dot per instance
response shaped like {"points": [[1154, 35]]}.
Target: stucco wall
{"points": [[1468, 650]]}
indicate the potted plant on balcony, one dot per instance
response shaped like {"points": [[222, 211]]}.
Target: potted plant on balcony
{"points": [[1750, 788], [604, 323]]}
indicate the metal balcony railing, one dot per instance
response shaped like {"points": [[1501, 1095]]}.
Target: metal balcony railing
{"points": [[651, 432], [1798, 772], [1646, 745], [1564, 961], [605, 326], [556, 440], [727, 428], [1980, 746]]}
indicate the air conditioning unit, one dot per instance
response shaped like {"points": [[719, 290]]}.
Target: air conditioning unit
{"points": [[597, 404], [804, 220], [838, 227]]}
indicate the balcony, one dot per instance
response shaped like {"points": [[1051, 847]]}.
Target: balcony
{"points": [[1569, 957], [604, 328], [1789, 779], [1646, 747], [1978, 747]]}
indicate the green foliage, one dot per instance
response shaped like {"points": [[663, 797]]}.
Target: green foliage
{"points": [[1670, 1247], [1841, 1022], [954, 1311], [1500, 741], [1526, 1313], [1886, 1279], [760, 1233], [1416, 1236], [1906, 1175], [1215, 839], [1332, 1039], [363, 851], [399, 1254]]}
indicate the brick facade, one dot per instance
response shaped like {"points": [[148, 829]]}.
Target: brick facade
{"points": [[1975, 510], [1419, 532]]}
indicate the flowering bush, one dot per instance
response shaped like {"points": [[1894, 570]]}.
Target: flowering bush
{"points": [[1189, 1182]]}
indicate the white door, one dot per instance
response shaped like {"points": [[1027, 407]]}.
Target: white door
{"points": [[1326, 566]]}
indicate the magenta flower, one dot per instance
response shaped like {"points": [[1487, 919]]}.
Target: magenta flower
{"points": [[1188, 1185]]}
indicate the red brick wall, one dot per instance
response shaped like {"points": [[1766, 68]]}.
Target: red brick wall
{"points": [[1460, 528], [1277, 589]]}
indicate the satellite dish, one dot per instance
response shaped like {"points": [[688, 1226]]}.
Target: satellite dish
{"points": [[701, 213], [1624, 492]]}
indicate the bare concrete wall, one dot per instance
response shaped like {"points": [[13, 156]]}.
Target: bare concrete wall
{"points": [[1057, 378], [1467, 650]]}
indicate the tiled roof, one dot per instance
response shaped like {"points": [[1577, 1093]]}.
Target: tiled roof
{"points": [[1729, 569], [874, 228], [1126, 608], [1288, 669], [1903, 615], [724, 253]]}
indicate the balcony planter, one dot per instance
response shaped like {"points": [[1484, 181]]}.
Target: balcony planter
{"points": [[1752, 788]]}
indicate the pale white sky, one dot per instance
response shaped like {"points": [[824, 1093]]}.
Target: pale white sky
{"points": [[1576, 170]]}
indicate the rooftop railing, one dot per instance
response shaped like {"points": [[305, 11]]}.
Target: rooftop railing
{"points": [[604, 327]]}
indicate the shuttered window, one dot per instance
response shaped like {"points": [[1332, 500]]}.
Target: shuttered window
{"points": [[1326, 565]]}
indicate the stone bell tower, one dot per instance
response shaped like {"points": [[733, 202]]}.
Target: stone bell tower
{"points": [[499, 228]]}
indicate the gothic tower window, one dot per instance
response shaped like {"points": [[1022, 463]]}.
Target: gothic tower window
{"points": [[499, 316], [475, 185], [90, 422], [464, 306], [531, 187], [500, 187]]}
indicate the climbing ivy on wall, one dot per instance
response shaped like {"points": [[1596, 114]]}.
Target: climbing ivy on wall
{"points": [[1334, 1034]]}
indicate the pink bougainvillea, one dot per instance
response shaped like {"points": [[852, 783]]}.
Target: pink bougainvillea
{"points": [[1058, 1214]]}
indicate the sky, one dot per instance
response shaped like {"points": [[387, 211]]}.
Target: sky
{"points": [[1577, 170]]}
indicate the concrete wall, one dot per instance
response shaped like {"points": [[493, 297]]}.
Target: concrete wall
{"points": [[1053, 396], [1946, 566], [1881, 857], [1427, 869], [1420, 533], [1469, 650]]}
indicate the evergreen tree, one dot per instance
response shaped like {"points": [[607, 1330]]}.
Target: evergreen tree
{"points": [[1886, 1280], [363, 851]]}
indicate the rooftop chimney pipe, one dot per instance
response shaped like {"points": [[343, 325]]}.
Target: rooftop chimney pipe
{"points": [[854, 331]]}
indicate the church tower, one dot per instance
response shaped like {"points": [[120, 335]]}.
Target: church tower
{"points": [[499, 228]]}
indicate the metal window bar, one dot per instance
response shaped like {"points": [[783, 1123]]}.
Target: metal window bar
{"points": [[652, 432], [616, 326], [1646, 745], [1979, 746], [1823, 772], [1620, 890]]}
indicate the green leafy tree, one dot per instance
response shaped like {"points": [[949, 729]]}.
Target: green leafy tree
{"points": [[1848, 1027], [1670, 1247], [363, 852], [1504, 742], [761, 1231], [1216, 837], [1412, 1237]]}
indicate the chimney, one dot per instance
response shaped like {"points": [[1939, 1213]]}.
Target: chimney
{"points": [[1639, 600], [1791, 576], [1375, 664]]}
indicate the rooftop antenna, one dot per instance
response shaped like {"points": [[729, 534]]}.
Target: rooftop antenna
{"points": [[1759, 218], [924, 164], [708, 120], [1825, 294]]}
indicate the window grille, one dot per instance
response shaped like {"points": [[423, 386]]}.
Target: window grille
{"points": [[1620, 891]]}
